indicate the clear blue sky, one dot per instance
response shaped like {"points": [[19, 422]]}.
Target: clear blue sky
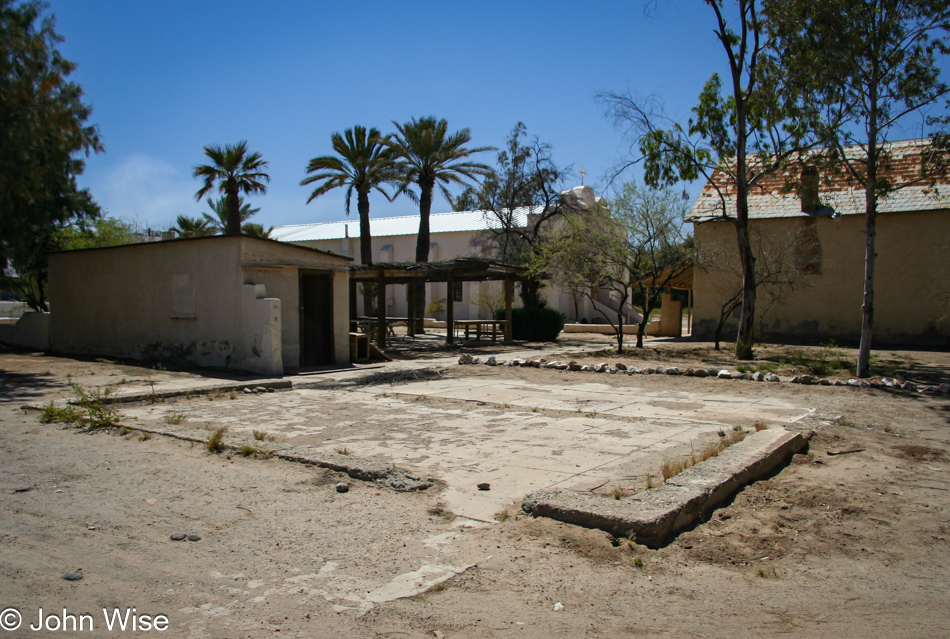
{"points": [[166, 78]]}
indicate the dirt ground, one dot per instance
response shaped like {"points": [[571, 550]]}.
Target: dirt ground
{"points": [[834, 545]]}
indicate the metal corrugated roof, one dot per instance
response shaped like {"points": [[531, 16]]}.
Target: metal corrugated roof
{"points": [[402, 225]]}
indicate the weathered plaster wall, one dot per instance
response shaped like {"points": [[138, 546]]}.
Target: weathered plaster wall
{"points": [[278, 267], [194, 301], [912, 293], [174, 301]]}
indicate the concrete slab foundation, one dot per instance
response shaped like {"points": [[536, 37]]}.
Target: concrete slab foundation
{"points": [[653, 516]]}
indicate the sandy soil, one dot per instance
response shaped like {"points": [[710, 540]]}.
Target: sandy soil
{"points": [[839, 545]]}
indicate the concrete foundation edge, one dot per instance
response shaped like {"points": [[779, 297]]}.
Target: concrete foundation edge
{"points": [[654, 516]]}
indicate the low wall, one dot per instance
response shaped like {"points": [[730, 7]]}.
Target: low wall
{"points": [[604, 329], [31, 331]]}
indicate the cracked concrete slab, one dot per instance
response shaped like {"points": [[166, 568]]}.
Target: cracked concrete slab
{"points": [[550, 436]]}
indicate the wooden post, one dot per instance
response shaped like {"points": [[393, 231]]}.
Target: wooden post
{"points": [[411, 308], [450, 309], [689, 324], [352, 299], [509, 293], [380, 310]]}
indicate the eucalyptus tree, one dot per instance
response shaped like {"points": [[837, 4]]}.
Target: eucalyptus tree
{"points": [[44, 138], [525, 178], [233, 170], [429, 156], [363, 163], [885, 72], [744, 128]]}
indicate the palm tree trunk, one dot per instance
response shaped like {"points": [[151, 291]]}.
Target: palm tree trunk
{"points": [[366, 245], [422, 249], [233, 207]]}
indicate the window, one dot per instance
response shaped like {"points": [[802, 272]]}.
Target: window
{"points": [[457, 292]]}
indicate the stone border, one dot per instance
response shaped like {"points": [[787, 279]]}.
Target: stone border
{"points": [[711, 371], [652, 517]]}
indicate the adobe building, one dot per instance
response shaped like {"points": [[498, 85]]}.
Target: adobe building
{"points": [[822, 232], [232, 302]]}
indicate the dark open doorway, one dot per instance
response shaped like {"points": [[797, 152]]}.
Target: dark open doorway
{"points": [[316, 319]]}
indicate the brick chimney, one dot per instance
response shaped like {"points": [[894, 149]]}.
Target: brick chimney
{"points": [[809, 189]]}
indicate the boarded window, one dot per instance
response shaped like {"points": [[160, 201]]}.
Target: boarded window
{"points": [[183, 295], [808, 253]]}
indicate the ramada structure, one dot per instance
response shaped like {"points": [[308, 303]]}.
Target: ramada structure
{"points": [[460, 234], [820, 233]]}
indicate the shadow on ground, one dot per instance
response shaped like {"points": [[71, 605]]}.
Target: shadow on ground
{"points": [[27, 386]]}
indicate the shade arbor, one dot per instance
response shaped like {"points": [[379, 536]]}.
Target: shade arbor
{"points": [[233, 170], [428, 155]]}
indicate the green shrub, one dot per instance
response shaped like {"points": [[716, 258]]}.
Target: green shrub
{"points": [[539, 324]]}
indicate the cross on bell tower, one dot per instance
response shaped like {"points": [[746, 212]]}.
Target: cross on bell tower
{"points": [[583, 173]]}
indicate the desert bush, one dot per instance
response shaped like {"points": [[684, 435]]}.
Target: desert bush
{"points": [[539, 324]]}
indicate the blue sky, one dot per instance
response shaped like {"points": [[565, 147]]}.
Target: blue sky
{"points": [[166, 79]]}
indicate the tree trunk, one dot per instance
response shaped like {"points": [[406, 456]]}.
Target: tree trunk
{"points": [[366, 245], [620, 329], [422, 250], [645, 318], [867, 309], [870, 211], [531, 293], [747, 316], [233, 209]]}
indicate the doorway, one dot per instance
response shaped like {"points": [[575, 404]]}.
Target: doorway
{"points": [[316, 319]]}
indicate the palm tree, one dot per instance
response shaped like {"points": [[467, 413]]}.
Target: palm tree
{"points": [[256, 230], [430, 156], [219, 220], [235, 171], [193, 227], [363, 163]]}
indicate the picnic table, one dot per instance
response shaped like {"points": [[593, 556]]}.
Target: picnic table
{"points": [[479, 327]]}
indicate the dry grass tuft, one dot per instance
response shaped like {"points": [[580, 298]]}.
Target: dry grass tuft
{"points": [[674, 466], [215, 442]]}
